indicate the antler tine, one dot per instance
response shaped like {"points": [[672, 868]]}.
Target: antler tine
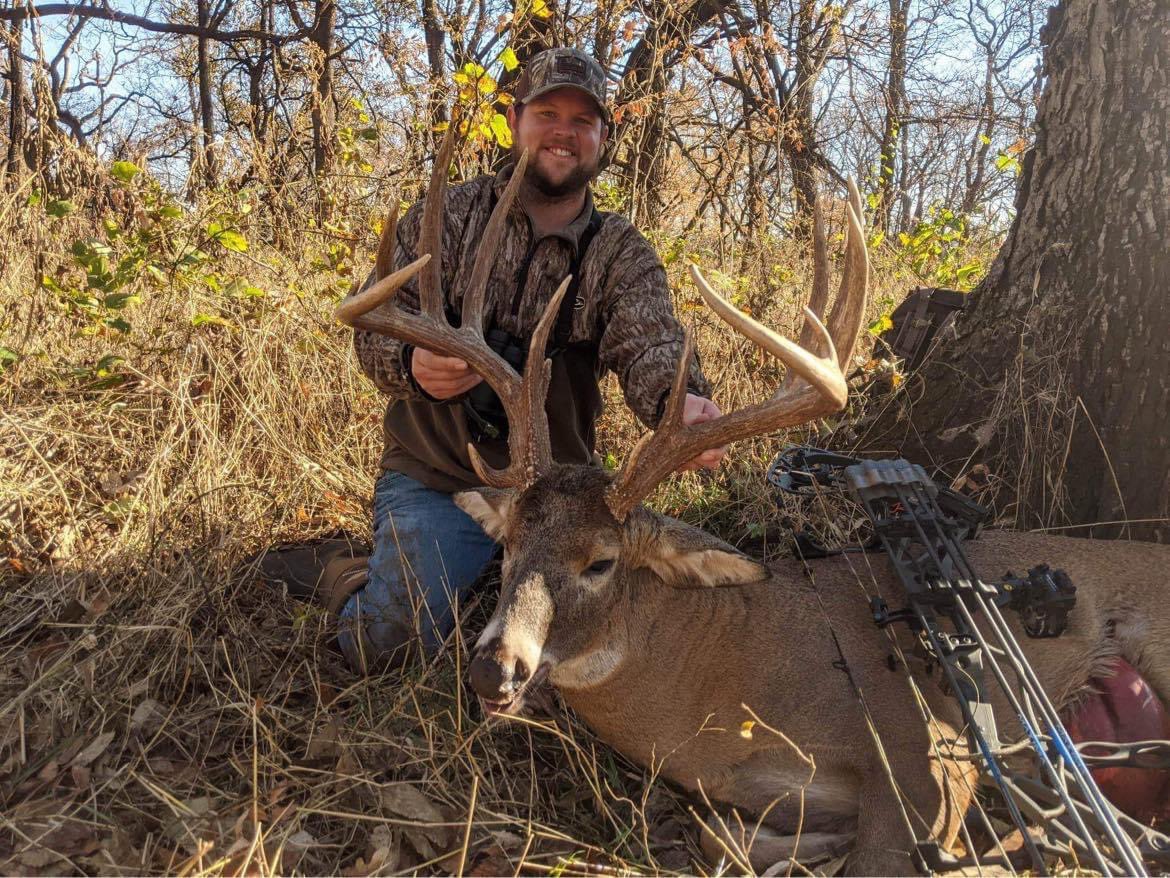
{"points": [[430, 282], [529, 446], [818, 300], [384, 262], [849, 309], [822, 390], [354, 307], [488, 251]]}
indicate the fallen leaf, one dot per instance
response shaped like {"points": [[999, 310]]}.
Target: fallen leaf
{"points": [[324, 743], [95, 749], [81, 776], [406, 800], [385, 850], [491, 862], [147, 717]]}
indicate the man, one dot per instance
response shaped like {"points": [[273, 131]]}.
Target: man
{"points": [[427, 552]]}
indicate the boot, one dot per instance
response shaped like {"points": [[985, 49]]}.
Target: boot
{"points": [[325, 573]]}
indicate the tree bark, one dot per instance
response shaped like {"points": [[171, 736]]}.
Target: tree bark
{"points": [[1059, 379], [436, 39], [206, 105], [321, 37], [17, 121], [895, 112]]}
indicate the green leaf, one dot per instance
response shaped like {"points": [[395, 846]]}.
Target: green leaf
{"points": [[229, 238], [118, 323], [170, 211], [881, 325], [966, 271], [59, 208], [8, 357], [511, 62], [211, 320], [125, 171], [118, 301], [195, 257]]}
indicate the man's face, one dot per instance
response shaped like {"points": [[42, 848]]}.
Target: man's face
{"points": [[563, 132]]}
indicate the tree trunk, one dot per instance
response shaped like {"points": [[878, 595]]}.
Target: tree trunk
{"points": [[436, 38], [810, 58], [895, 111], [206, 106], [977, 167], [322, 39], [17, 120], [1059, 379]]}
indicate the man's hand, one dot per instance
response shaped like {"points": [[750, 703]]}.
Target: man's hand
{"points": [[441, 377], [695, 411]]}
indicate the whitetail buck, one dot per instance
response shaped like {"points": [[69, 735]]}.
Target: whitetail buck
{"points": [[666, 640]]}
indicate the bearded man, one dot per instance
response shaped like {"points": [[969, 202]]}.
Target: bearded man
{"points": [[617, 318]]}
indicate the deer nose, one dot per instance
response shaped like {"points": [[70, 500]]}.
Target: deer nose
{"points": [[494, 674]]}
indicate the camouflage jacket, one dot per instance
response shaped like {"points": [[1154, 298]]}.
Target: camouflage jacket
{"points": [[624, 323]]}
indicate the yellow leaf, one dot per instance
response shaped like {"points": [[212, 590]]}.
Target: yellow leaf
{"points": [[540, 9], [745, 730], [486, 84], [501, 131], [440, 127], [511, 62]]}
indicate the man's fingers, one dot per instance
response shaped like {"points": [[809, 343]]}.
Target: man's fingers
{"points": [[709, 459], [445, 388], [424, 359]]}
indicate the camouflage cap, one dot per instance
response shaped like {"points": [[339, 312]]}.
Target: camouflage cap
{"points": [[563, 68]]}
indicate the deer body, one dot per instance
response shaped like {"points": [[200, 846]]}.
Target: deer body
{"points": [[670, 665], [659, 634]]}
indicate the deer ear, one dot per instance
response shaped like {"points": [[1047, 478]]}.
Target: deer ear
{"points": [[686, 557], [490, 507]]}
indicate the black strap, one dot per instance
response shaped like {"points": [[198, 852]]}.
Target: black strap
{"points": [[572, 300]]}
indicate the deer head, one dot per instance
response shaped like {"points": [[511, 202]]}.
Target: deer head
{"points": [[577, 541]]}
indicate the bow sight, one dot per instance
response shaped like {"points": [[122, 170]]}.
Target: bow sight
{"points": [[921, 526]]}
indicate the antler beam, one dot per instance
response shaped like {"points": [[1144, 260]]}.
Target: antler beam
{"points": [[818, 388]]}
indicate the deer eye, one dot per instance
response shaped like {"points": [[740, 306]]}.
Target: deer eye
{"points": [[598, 567]]}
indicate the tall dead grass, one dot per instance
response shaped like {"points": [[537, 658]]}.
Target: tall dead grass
{"points": [[162, 712]]}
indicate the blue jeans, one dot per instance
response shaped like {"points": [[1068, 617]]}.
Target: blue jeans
{"points": [[427, 553]]}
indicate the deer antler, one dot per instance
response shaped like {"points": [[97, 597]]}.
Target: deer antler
{"points": [[817, 389], [523, 399]]}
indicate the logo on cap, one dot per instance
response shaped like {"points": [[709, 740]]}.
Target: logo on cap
{"points": [[571, 68]]}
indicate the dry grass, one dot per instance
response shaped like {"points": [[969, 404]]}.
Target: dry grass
{"points": [[162, 712]]}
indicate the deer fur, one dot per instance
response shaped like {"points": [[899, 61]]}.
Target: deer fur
{"points": [[684, 639]]}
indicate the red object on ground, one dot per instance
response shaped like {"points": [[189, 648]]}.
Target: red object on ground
{"points": [[1126, 710]]}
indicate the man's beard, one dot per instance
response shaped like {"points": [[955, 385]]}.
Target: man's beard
{"points": [[576, 180]]}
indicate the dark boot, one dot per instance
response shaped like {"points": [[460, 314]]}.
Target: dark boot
{"points": [[325, 573]]}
